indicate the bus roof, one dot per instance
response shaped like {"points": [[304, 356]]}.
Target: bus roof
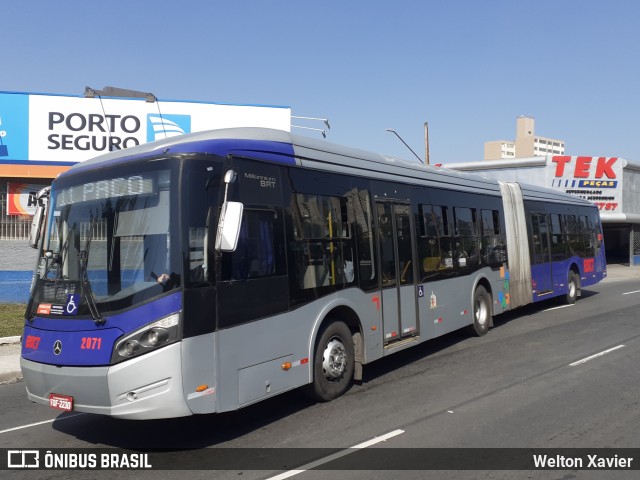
{"points": [[279, 146]]}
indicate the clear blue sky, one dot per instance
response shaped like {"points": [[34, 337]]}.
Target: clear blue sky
{"points": [[468, 67]]}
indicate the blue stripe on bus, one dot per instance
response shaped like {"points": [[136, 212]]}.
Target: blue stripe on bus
{"points": [[81, 338]]}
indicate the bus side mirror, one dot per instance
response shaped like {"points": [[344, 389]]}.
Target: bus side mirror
{"points": [[230, 219], [38, 217], [229, 227]]}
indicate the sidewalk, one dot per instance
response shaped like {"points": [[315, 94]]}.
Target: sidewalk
{"points": [[10, 359], [10, 346]]}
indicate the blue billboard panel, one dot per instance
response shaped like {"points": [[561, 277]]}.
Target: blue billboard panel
{"points": [[14, 127]]}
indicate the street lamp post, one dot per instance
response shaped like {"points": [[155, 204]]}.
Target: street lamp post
{"points": [[405, 143]]}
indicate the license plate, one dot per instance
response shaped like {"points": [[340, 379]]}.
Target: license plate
{"points": [[61, 402]]}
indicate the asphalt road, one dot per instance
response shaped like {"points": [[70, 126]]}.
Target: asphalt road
{"points": [[532, 382]]}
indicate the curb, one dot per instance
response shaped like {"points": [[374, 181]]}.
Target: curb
{"points": [[9, 360], [11, 377]]}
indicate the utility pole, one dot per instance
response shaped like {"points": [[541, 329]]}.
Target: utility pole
{"points": [[426, 143]]}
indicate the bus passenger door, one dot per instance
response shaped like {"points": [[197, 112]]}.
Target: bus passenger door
{"points": [[397, 265], [541, 268]]}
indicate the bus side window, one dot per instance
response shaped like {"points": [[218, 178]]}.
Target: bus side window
{"points": [[322, 241], [466, 237], [255, 255], [574, 240], [435, 245], [360, 205], [494, 251], [558, 246], [588, 246]]}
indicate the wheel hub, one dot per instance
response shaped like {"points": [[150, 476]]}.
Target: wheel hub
{"points": [[481, 312], [334, 359]]}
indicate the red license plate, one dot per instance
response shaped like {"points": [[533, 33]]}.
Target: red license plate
{"points": [[61, 402]]}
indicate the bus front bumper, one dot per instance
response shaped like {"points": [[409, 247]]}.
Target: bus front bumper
{"points": [[146, 387]]}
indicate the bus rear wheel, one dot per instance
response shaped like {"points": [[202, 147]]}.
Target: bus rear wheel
{"points": [[573, 285], [481, 312], [333, 363]]}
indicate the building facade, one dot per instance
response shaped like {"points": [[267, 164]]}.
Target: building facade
{"points": [[527, 143]]}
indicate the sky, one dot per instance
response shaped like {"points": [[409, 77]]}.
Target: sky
{"points": [[467, 67]]}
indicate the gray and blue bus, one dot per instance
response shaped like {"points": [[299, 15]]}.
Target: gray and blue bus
{"points": [[210, 271]]}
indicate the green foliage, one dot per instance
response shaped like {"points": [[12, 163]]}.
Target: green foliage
{"points": [[11, 319]]}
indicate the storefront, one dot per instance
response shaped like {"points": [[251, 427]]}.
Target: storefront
{"points": [[612, 183]]}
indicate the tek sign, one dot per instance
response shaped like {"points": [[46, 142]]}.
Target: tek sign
{"points": [[597, 179], [585, 167], [58, 128]]}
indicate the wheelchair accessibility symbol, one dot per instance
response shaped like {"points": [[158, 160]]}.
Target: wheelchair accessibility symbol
{"points": [[73, 301]]}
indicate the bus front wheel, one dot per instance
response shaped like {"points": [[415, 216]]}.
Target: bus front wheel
{"points": [[481, 312], [333, 363]]}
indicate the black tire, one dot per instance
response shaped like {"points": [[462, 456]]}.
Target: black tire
{"points": [[573, 286], [333, 362], [481, 312]]}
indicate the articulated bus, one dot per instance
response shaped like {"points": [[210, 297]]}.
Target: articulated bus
{"points": [[210, 271]]}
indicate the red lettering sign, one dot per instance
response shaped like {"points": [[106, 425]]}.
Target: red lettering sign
{"points": [[604, 167], [589, 265], [561, 161], [44, 309], [91, 343], [32, 342], [582, 167]]}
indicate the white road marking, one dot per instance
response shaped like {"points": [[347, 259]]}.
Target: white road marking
{"points": [[585, 360], [556, 308], [629, 293], [337, 455], [38, 423]]}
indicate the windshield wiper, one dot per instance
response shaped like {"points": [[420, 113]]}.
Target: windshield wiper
{"points": [[50, 259], [85, 284]]}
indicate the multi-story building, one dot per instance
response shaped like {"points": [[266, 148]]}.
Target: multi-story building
{"points": [[527, 143]]}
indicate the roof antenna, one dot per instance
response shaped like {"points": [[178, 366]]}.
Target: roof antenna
{"points": [[91, 93], [124, 93], [324, 134], [321, 130]]}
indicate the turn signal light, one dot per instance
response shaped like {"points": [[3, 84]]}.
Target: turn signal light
{"points": [[286, 365]]}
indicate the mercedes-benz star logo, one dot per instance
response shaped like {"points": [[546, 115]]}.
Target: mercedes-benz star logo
{"points": [[57, 347]]}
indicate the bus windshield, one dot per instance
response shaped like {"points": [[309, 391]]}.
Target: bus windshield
{"points": [[107, 244]]}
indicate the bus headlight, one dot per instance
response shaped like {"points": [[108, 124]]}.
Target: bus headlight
{"points": [[152, 336], [128, 348]]}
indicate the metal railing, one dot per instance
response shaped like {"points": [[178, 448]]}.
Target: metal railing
{"points": [[12, 227]]}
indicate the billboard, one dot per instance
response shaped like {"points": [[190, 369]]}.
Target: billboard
{"points": [[43, 128], [21, 198], [597, 179]]}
